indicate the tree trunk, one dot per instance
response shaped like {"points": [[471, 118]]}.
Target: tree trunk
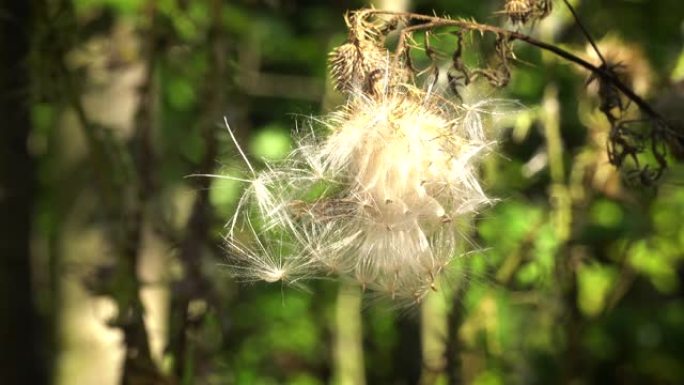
{"points": [[21, 360]]}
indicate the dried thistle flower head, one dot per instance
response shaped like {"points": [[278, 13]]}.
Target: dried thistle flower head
{"points": [[363, 59], [522, 11], [381, 198], [518, 11]]}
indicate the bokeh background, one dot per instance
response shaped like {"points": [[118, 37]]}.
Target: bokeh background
{"points": [[112, 263]]}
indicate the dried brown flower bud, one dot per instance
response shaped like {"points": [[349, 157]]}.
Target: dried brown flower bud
{"points": [[518, 11]]}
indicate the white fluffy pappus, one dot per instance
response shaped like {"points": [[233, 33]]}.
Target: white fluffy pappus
{"points": [[380, 199]]}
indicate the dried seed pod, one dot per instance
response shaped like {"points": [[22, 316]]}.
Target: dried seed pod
{"points": [[355, 65], [518, 11], [342, 61]]}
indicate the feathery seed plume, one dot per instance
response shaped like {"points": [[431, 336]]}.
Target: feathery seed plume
{"points": [[381, 197]]}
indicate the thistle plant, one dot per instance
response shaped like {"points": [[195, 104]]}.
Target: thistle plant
{"points": [[383, 196]]}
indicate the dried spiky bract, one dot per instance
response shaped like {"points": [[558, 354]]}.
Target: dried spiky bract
{"points": [[523, 11], [360, 62], [381, 198], [519, 11]]}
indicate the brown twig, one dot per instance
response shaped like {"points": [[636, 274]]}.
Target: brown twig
{"points": [[585, 32], [622, 143], [432, 22]]}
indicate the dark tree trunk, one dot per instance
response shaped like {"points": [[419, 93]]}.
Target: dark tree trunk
{"points": [[408, 357], [21, 360]]}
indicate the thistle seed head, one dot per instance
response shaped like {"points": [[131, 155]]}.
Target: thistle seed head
{"points": [[381, 198]]}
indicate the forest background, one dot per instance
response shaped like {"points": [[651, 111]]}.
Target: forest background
{"points": [[112, 258]]}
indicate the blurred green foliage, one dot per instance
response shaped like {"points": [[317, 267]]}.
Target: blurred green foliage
{"points": [[623, 321]]}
